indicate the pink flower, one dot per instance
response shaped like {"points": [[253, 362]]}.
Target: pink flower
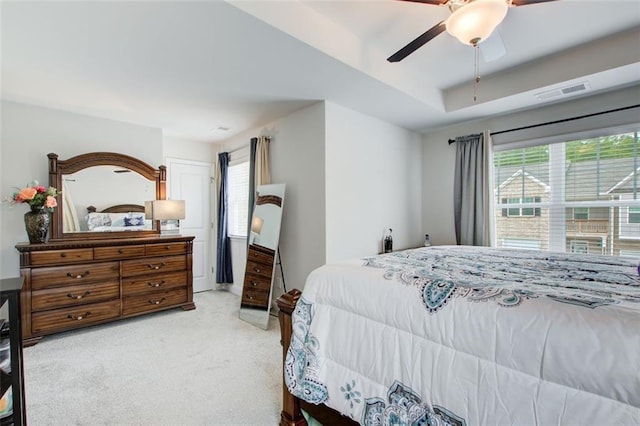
{"points": [[50, 202], [41, 189]]}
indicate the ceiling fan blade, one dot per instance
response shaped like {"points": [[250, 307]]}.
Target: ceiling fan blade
{"points": [[527, 2], [417, 43], [433, 2]]}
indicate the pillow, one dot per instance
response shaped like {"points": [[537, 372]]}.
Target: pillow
{"points": [[134, 221], [98, 219]]}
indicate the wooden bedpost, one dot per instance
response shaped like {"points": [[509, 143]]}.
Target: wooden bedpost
{"points": [[291, 414]]}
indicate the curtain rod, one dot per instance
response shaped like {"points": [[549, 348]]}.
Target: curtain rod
{"points": [[559, 121], [237, 149], [245, 146]]}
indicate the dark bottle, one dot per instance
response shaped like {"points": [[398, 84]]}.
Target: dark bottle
{"points": [[388, 242]]}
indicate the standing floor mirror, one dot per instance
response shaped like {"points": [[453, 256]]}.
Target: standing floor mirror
{"points": [[262, 253]]}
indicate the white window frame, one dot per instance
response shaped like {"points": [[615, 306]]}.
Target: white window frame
{"points": [[557, 204]]}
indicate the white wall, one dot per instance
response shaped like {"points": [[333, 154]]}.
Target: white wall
{"points": [[438, 156], [185, 149], [29, 133], [373, 183], [338, 201], [297, 160]]}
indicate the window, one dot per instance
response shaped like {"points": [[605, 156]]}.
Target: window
{"points": [[581, 213], [568, 193], [521, 211], [519, 243], [634, 215], [579, 247], [238, 189]]}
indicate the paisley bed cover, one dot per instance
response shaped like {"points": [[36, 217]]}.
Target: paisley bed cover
{"points": [[471, 336]]}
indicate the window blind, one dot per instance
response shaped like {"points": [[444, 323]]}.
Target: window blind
{"points": [[238, 198], [576, 196]]}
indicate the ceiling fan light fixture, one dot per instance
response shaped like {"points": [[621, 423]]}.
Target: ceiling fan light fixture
{"points": [[475, 21]]}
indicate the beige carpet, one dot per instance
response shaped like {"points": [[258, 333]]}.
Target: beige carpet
{"points": [[201, 367]]}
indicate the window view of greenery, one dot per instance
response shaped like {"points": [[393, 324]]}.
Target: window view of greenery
{"points": [[579, 196]]}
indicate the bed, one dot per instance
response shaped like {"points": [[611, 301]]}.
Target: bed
{"points": [[464, 336], [121, 217]]}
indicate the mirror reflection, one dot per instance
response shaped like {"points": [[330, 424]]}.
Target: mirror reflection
{"points": [[89, 192], [262, 251]]}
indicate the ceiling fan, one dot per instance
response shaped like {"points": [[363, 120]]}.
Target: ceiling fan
{"points": [[471, 21]]}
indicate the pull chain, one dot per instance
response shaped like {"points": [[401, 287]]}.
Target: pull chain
{"points": [[476, 71]]}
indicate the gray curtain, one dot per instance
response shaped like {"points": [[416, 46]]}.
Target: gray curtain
{"points": [[473, 190], [259, 172], [252, 184], [224, 271]]}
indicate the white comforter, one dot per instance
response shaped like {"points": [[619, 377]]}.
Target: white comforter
{"points": [[467, 335]]}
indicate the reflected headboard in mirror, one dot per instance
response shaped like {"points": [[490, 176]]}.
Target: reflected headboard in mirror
{"points": [[103, 180]]}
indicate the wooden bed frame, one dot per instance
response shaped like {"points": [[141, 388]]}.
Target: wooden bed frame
{"points": [[291, 414], [119, 208]]}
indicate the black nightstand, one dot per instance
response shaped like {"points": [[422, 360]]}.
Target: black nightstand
{"points": [[12, 330]]}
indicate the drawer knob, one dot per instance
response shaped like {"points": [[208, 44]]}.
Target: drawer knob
{"points": [[250, 297], [78, 276], [253, 283], [150, 284], [78, 317], [63, 254], [156, 267], [120, 251], [167, 247], [157, 302], [78, 296], [257, 270]]}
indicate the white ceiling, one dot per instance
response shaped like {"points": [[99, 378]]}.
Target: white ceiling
{"points": [[192, 67]]}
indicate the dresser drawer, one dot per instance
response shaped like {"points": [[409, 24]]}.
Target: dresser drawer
{"points": [[154, 301], [153, 283], [255, 298], [70, 275], [166, 249], [153, 265], [69, 318], [117, 252], [49, 257], [257, 283], [259, 270], [74, 295], [260, 254]]}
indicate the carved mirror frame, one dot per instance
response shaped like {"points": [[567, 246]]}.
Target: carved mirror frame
{"points": [[59, 168]]}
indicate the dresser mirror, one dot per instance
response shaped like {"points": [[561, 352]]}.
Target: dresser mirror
{"points": [[262, 253], [103, 195]]}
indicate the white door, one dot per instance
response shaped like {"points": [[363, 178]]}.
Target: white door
{"points": [[191, 181]]}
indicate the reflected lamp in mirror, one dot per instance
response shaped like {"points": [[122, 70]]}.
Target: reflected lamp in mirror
{"points": [[168, 212], [256, 228]]}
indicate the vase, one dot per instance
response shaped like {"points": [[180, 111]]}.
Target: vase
{"points": [[36, 223]]}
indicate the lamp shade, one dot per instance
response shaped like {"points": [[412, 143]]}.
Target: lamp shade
{"points": [[164, 209], [256, 225], [474, 22]]}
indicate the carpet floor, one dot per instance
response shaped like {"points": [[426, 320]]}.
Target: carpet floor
{"points": [[200, 367]]}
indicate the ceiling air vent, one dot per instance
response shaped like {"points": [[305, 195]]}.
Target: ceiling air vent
{"points": [[563, 91]]}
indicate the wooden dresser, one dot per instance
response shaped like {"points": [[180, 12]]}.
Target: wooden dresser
{"points": [[69, 285], [257, 277]]}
